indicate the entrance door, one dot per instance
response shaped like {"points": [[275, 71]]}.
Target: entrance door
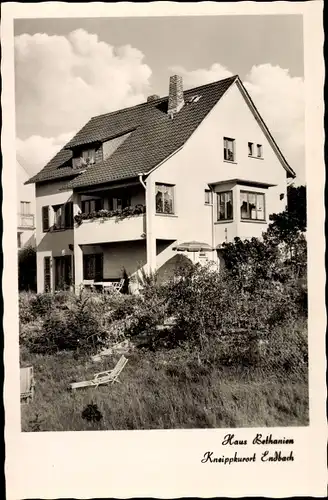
{"points": [[63, 272]]}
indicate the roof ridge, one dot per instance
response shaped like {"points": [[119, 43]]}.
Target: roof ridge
{"points": [[145, 103]]}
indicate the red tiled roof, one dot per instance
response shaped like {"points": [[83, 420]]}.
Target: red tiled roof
{"points": [[155, 136]]}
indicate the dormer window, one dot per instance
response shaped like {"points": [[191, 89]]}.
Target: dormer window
{"points": [[84, 158], [89, 155]]}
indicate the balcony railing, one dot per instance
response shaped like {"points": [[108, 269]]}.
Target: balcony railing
{"points": [[26, 221]]}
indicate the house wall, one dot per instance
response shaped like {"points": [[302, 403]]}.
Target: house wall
{"points": [[25, 193], [56, 243], [201, 162]]}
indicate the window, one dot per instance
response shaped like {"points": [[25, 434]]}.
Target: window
{"points": [[19, 240], [89, 155], [47, 274], [250, 149], [229, 149], [63, 216], [164, 199], [25, 207], [118, 203], [259, 150], [93, 267], [252, 206], [225, 209], [208, 197], [89, 206]]}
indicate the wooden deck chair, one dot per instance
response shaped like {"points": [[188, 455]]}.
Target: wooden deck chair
{"points": [[26, 384], [106, 377]]}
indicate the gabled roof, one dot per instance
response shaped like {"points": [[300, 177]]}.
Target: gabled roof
{"points": [[153, 137]]}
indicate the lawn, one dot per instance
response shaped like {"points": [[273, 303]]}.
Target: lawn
{"points": [[160, 390]]}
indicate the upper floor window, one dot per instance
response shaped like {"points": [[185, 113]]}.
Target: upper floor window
{"points": [[164, 199], [250, 149], [208, 197], [225, 207], [119, 202], [259, 150], [89, 155], [252, 206], [57, 216], [229, 153], [25, 207], [89, 206]]}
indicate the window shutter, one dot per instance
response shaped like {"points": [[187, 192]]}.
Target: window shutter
{"points": [[45, 218], [47, 274], [69, 215]]}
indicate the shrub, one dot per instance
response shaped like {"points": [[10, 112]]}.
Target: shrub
{"points": [[25, 309], [42, 304]]}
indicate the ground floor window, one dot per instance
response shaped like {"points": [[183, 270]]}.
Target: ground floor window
{"points": [[63, 272], [93, 267], [47, 274], [252, 206]]}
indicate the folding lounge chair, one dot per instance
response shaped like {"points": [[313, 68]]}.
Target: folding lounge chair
{"points": [[26, 384], [106, 377]]}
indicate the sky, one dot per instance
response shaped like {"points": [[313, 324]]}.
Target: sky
{"points": [[68, 70]]}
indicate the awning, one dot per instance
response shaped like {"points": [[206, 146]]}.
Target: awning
{"points": [[193, 246]]}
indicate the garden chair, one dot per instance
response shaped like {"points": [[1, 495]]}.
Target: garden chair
{"points": [[106, 377], [26, 384]]}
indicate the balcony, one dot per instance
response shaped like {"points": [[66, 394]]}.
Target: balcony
{"points": [[102, 227], [25, 221]]}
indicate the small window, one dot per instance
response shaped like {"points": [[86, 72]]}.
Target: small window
{"points": [[250, 149], [164, 199], [259, 151], [25, 207], [225, 208], [252, 206], [208, 197], [229, 149], [89, 155]]}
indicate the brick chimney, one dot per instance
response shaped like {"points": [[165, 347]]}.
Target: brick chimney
{"points": [[153, 97], [176, 100]]}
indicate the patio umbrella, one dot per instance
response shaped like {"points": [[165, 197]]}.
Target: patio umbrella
{"points": [[193, 246]]}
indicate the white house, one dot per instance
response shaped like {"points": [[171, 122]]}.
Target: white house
{"points": [[133, 185], [25, 208]]}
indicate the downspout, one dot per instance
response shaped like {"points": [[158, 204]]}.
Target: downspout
{"points": [[213, 234], [148, 222]]}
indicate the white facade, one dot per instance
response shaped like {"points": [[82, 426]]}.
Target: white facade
{"points": [[25, 208], [148, 240]]}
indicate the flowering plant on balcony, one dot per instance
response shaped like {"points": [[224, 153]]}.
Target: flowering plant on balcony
{"points": [[119, 214]]}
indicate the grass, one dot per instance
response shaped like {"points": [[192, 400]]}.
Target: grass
{"points": [[160, 390]]}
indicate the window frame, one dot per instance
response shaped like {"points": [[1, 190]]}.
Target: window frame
{"points": [[259, 149], [250, 149], [66, 216], [210, 197], [172, 187], [98, 204], [253, 193], [225, 148], [26, 204], [226, 218]]}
